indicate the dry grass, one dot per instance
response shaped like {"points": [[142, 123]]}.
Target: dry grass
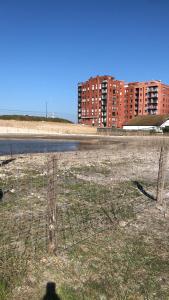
{"points": [[149, 120], [112, 239], [38, 127]]}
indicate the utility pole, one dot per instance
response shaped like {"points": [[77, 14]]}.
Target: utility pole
{"points": [[46, 110]]}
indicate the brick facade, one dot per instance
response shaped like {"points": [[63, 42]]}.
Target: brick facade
{"points": [[104, 101]]}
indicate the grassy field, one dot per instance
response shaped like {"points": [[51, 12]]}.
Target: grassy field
{"points": [[111, 239]]}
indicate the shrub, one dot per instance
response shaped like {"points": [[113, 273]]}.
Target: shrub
{"points": [[166, 129]]}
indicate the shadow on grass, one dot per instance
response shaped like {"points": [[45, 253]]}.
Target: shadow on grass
{"points": [[6, 161], [51, 292], [143, 191]]}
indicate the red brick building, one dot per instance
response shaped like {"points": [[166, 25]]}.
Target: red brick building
{"points": [[146, 98], [104, 101]]}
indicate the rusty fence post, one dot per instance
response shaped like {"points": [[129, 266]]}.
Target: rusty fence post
{"points": [[162, 173], [52, 206]]}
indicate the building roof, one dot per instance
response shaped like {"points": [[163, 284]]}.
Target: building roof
{"points": [[150, 120]]}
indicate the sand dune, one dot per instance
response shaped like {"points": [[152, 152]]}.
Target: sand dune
{"points": [[43, 127]]}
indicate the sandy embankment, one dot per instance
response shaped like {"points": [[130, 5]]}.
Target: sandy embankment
{"points": [[42, 127]]}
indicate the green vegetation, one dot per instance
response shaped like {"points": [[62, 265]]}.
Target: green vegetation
{"points": [[33, 118], [3, 290], [165, 129]]}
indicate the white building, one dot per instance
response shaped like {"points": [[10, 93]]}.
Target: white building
{"points": [[150, 122]]}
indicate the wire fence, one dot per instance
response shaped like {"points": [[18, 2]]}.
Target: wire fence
{"points": [[52, 203], [93, 197]]}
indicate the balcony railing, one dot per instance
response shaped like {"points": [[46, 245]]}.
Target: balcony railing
{"points": [[104, 91], [104, 84], [151, 95], [150, 90], [155, 102], [154, 108]]}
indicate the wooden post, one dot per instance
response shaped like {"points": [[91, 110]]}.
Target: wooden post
{"points": [[161, 174], [51, 199]]}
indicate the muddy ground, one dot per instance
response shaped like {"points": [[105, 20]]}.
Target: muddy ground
{"points": [[111, 237]]}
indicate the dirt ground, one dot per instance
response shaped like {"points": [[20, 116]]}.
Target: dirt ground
{"points": [[111, 237]]}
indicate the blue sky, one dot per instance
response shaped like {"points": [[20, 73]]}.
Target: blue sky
{"points": [[48, 46]]}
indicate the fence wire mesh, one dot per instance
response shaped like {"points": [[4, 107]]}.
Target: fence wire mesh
{"points": [[52, 203], [95, 193], [23, 215]]}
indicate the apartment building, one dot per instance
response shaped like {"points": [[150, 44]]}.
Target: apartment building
{"points": [[100, 102], [104, 101], [146, 98]]}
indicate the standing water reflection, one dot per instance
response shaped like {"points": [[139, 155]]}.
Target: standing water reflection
{"points": [[36, 146]]}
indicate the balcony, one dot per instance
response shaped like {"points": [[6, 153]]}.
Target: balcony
{"points": [[88, 117], [152, 112], [152, 95], [152, 101], [151, 108], [104, 91], [152, 89]]}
